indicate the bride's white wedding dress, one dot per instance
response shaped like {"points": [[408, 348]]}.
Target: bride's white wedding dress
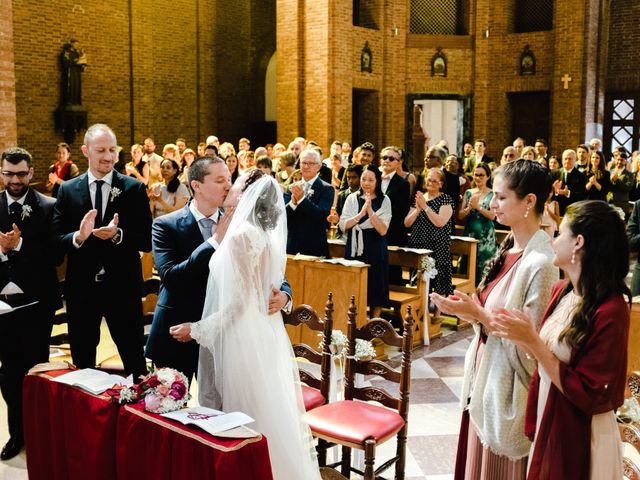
{"points": [[254, 368]]}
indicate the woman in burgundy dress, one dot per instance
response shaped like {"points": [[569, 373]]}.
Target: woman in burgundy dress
{"points": [[492, 443], [581, 350]]}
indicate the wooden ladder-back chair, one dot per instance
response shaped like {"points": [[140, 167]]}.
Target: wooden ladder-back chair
{"points": [[362, 425], [315, 391], [630, 432]]}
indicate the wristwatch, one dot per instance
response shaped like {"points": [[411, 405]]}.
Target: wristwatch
{"points": [[117, 237]]}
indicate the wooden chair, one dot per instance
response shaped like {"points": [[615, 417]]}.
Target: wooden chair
{"points": [[630, 432], [362, 425], [315, 391]]}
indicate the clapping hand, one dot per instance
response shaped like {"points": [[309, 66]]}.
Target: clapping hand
{"points": [[421, 202], [10, 240], [86, 225], [108, 232], [182, 332], [297, 192], [367, 204], [514, 325], [460, 304], [557, 187], [473, 201], [53, 178], [333, 216]]}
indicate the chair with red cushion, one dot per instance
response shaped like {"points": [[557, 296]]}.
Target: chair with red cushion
{"points": [[315, 391], [355, 423]]}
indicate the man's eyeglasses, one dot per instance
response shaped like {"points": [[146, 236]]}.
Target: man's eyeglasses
{"points": [[21, 175], [308, 164], [389, 158]]}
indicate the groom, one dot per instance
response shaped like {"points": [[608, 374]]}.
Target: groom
{"points": [[183, 242]]}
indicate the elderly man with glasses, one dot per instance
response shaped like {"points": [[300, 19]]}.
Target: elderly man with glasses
{"points": [[308, 205]]}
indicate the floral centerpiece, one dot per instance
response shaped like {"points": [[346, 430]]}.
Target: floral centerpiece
{"points": [[160, 391]]}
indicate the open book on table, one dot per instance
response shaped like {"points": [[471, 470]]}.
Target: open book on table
{"points": [[215, 422], [93, 381]]}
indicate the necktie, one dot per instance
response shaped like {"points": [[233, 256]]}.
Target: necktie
{"points": [[15, 210], [306, 188], [206, 224], [98, 203]]}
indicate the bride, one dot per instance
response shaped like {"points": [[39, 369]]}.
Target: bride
{"points": [[253, 368]]}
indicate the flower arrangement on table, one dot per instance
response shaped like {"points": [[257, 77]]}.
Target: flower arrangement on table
{"points": [[160, 391]]}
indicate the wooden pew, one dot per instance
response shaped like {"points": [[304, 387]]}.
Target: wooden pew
{"points": [[464, 256], [310, 282], [401, 296], [464, 272]]}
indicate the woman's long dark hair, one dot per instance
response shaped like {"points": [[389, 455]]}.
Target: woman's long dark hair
{"points": [[522, 177], [604, 263], [174, 183]]}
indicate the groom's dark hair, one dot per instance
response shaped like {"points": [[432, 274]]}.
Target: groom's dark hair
{"points": [[200, 168]]}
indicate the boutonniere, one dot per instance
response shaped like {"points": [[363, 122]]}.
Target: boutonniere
{"points": [[26, 211], [115, 193], [310, 193]]}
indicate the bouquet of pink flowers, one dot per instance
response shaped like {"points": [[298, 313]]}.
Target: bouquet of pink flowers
{"points": [[161, 391]]}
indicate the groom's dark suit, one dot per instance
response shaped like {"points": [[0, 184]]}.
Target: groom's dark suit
{"points": [[25, 333], [117, 292], [181, 256]]}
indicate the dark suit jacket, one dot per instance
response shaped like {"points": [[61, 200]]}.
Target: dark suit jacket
{"points": [[398, 193], [307, 224], [576, 181], [32, 268], [182, 258], [121, 262]]}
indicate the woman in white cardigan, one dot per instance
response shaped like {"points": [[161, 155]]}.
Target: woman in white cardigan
{"points": [[492, 443]]}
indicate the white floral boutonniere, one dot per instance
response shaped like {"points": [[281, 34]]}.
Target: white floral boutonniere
{"points": [[310, 193], [26, 211], [115, 193]]}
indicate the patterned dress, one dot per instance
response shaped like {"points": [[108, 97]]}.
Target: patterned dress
{"points": [[425, 234], [483, 230]]}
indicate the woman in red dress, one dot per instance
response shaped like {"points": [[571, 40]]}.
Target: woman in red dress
{"points": [[581, 350], [64, 169]]}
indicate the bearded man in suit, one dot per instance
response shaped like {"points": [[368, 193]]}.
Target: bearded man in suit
{"points": [[28, 283]]}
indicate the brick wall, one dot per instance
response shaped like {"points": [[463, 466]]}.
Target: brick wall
{"points": [[8, 127], [483, 65], [190, 69], [624, 42]]}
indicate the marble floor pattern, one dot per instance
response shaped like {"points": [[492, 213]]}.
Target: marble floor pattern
{"points": [[434, 414]]}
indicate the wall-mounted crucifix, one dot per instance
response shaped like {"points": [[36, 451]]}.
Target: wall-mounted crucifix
{"points": [[566, 79]]}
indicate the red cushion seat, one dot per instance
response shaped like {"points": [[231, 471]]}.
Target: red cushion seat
{"points": [[311, 397], [354, 422]]}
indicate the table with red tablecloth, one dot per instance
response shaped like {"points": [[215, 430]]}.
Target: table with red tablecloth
{"points": [[71, 434], [149, 445], [68, 432]]}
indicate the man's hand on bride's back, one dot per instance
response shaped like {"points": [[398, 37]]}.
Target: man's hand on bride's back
{"points": [[182, 332]]}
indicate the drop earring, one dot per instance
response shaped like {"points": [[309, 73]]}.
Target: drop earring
{"points": [[526, 214], [573, 257]]}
